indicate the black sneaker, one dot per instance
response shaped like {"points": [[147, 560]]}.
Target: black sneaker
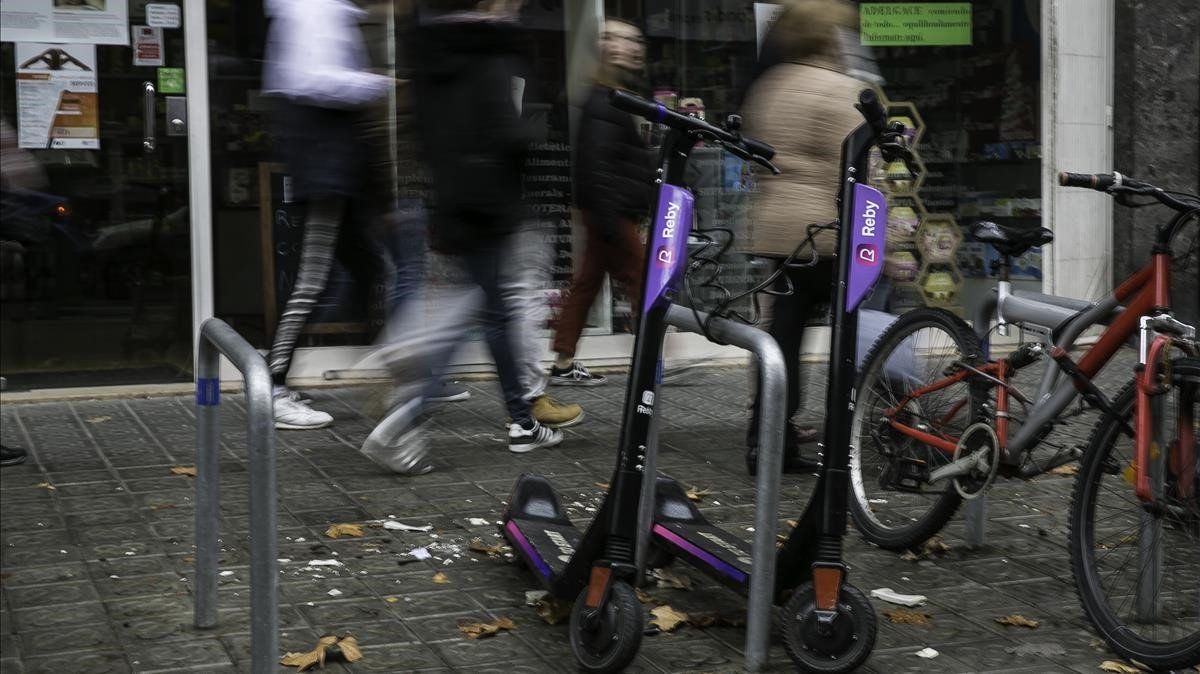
{"points": [[11, 456], [576, 375], [530, 436]]}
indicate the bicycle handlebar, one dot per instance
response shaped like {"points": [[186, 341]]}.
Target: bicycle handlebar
{"points": [[1116, 184], [746, 148]]}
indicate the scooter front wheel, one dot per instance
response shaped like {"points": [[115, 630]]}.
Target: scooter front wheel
{"points": [[606, 639], [842, 646]]}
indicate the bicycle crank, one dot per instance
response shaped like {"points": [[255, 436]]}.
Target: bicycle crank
{"points": [[975, 463]]}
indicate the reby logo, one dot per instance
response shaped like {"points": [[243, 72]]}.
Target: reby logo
{"points": [[665, 256], [867, 253]]}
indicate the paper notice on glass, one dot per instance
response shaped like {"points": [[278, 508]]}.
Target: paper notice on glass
{"points": [[57, 96], [147, 46], [765, 14], [76, 21]]}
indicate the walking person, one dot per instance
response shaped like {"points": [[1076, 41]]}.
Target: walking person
{"points": [[613, 183], [316, 69], [804, 106], [474, 142], [529, 262]]}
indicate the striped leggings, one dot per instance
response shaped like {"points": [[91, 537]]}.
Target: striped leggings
{"points": [[316, 260]]}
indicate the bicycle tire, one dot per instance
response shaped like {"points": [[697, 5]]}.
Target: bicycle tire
{"points": [[1176, 654], [864, 513]]}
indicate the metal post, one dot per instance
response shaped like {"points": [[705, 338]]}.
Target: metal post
{"points": [[216, 336], [208, 392], [772, 395], [976, 513]]}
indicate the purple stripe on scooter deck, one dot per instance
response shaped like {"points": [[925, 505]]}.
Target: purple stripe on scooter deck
{"points": [[699, 553], [530, 552]]}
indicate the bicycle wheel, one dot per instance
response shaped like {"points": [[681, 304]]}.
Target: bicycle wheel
{"points": [[893, 503], [1135, 567]]}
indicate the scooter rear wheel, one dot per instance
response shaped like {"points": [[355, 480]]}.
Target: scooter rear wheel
{"points": [[607, 641], [846, 648]]}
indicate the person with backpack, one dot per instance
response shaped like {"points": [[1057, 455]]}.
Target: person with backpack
{"points": [[467, 63]]}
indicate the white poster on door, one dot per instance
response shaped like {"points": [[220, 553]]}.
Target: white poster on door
{"points": [[765, 14], [77, 21], [147, 46], [57, 96]]}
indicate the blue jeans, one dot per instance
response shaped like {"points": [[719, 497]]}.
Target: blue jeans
{"points": [[482, 301]]}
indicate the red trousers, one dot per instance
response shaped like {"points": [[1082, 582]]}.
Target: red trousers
{"points": [[623, 258]]}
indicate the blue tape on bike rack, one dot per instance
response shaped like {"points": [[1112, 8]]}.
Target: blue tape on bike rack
{"points": [[208, 392]]}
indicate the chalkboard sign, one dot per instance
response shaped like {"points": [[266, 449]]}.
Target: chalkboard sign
{"points": [[342, 308]]}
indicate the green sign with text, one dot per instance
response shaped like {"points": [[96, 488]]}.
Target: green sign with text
{"points": [[170, 80], [915, 24]]}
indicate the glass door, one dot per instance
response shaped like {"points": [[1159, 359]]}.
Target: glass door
{"points": [[94, 234]]}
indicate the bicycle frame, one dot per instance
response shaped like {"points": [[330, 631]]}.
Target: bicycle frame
{"points": [[1065, 320]]}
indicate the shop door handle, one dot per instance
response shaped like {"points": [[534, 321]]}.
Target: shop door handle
{"points": [[148, 117]]}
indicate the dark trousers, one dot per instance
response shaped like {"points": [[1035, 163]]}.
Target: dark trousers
{"points": [[623, 258], [483, 268], [811, 286]]}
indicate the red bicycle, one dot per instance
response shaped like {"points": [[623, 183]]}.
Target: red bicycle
{"points": [[936, 422]]}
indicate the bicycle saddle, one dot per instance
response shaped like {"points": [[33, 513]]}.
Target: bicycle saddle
{"points": [[1008, 239]]}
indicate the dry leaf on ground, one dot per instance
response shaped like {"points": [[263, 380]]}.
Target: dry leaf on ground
{"points": [[901, 616], [190, 471], [1066, 469], [672, 581], [909, 556], [489, 549], [602, 485], [703, 619], [340, 530], [1018, 620], [483, 630], [98, 420], [45, 485], [392, 600], [934, 546], [645, 598], [1121, 667], [666, 618], [697, 494], [552, 610], [305, 661], [441, 578], [348, 648]]}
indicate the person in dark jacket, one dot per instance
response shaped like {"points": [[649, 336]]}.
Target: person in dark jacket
{"points": [[612, 190], [469, 119]]}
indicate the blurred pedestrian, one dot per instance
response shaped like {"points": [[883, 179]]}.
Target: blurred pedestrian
{"points": [[613, 183], [316, 69], [20, 175], [524, 279], [468, 65], [804, 106]]}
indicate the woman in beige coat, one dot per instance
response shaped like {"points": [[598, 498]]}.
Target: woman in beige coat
{"points": [[804, 106]]}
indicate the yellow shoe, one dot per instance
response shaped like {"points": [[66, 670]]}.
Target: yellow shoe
{"points": [[550, 412]]}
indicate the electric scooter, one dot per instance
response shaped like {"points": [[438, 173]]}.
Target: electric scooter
{"points": [[828, 624], [597, 568]]}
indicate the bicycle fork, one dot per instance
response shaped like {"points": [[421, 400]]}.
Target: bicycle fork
{"points": [[1154, 455]]}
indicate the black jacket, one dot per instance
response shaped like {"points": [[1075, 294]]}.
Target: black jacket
{"points": [[472, 136], [613, 167]]}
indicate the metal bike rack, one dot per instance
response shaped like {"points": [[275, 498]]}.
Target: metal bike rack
{"points": [[976, 513], [217, 338], [772, 380]]}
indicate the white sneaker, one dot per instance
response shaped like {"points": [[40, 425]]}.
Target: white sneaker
{"points": [[296, 416], [523, 439], [399, 443]]}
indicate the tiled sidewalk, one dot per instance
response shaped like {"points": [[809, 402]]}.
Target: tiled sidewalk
{"points": [[97, 533]]}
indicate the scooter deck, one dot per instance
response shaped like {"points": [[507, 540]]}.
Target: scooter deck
{"points": [[538, 529], [681, 529]]}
